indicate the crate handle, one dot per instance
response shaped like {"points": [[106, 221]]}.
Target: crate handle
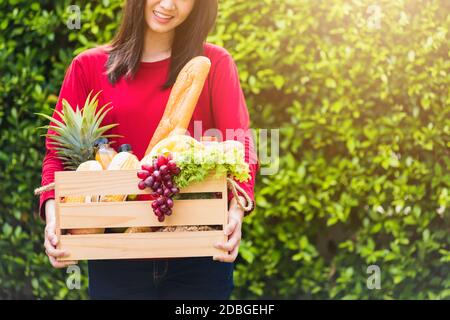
{"points": [[41, 190], [234, 187]]}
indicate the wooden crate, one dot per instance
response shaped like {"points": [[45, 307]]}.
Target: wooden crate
{"points": [[135, 214]]}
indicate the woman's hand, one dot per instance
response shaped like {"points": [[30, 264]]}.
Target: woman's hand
{"points": [[51, 240], [233, 231]]}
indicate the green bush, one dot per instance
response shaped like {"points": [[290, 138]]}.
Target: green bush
{"points": [[361, 95]]}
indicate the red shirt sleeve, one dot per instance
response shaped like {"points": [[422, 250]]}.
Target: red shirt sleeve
{"points": [[231, 116], [75, 90]]}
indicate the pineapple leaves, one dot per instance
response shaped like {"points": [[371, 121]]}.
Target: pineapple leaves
{"points": [[74, 135]]}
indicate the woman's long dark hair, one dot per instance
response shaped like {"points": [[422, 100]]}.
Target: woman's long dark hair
{"points": [[125, 51]]}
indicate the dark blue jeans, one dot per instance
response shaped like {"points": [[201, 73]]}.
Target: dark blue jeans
{"points": [[169, 279]]}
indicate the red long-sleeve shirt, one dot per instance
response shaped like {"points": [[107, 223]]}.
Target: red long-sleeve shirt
{"points": [[138, 105]]}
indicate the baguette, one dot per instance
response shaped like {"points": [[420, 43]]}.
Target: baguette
{"points": [[182, 100]]}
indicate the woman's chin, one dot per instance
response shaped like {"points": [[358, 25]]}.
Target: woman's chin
{"points": [[155, 27]]}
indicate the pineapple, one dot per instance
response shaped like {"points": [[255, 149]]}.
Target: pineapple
{"points": [[74, 141], [77, 131]]}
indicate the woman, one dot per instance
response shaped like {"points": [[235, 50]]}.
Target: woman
{"points": [[135, 73]]}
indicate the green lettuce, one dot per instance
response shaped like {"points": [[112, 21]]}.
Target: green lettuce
{"points": [[196, 165]]}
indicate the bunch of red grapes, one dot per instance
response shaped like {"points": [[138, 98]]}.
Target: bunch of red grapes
{"points": [[159, 178]]}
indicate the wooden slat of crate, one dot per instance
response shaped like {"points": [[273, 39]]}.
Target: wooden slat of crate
{"points": [[140, 214], [141, 245], [84, 183]]}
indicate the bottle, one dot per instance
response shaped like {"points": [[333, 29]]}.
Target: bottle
{"points": [[104, 153], [125, 148]]}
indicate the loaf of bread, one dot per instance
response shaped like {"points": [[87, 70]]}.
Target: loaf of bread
{"points": [[182, 100]]}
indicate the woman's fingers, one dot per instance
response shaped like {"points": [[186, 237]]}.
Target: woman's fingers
{"points": [[51, 235], [60, 264], [50, 243], [230, 257], [232, 242], [233, 231], [53, 239], [52, 251], [231, 226], [231, 247], [233, 255]]}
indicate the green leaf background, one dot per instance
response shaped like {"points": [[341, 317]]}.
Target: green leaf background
{"points": [[364, 119]]}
